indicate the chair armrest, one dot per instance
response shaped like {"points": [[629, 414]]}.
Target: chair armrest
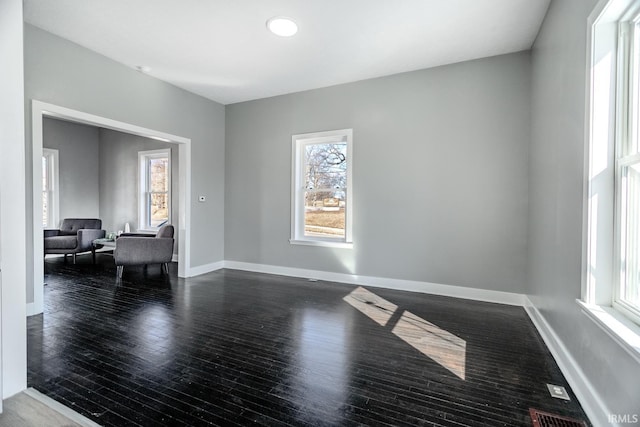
{"points": [[143, 250], [137, 235], [86, 236], [51, 232]]}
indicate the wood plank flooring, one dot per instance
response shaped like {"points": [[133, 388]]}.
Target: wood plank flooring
{"points": [[238, 348]]}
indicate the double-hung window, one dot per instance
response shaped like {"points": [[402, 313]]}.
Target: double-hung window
{"points": [[154, 194], [611, 257], [626, 296], [322, 197], [50, 193]]}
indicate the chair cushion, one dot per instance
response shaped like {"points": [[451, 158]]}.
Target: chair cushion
{"points": [[142, 250], [61, 242], [70, 226]]}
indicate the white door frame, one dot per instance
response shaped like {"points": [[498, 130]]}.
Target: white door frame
{"points": [[40, 110]]}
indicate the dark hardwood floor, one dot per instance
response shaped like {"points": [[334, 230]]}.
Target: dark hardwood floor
{"points": [[238, 348]]}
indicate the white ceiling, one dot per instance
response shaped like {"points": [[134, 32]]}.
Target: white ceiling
{"points": [[222, 50]]}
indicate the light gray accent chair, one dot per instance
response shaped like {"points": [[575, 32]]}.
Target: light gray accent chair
{"points": [[74, 236], [137, 249]]}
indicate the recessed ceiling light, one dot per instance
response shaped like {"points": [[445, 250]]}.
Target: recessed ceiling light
{"points": [[281, 26]]}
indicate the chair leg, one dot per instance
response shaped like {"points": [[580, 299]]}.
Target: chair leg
{"points": [[64, 257], [120, 269], [165, 267], [74, 259]]}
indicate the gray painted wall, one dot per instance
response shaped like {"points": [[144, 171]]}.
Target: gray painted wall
{"points": [[66, 74], [77, 147], [556, 192], [439, 174], [119, 178]]}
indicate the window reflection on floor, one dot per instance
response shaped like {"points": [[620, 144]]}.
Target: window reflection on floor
{"points": [[441, 346], [322, 356], [153, 335]]}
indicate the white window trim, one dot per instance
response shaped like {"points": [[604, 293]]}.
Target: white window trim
{"points": [[142, 186], [616, 325], [54, 183], [600, 272], [297, 180]]}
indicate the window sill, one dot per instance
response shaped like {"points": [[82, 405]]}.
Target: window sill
{"points": [[322, 243], [617, 326]]}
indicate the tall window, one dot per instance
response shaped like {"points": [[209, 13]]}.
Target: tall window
{"points": [[49, 188], [322, 197], [611, 263], [627, 151], [155, 188]]}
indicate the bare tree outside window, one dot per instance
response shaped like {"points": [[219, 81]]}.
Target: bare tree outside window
{"points": [[155, 188], [325, 189], [159, 190]]}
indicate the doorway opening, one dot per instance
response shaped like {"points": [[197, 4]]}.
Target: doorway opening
{"points": [[41, 110]]}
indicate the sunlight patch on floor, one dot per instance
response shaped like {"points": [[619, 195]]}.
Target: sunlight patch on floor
{"points": [[441, 346], [377, 309]]}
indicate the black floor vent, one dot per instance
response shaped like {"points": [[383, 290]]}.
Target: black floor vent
{"points": [[545, 419]]}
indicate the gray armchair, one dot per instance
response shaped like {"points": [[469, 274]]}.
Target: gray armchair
{"points": [[74, 236], [136, 249]]}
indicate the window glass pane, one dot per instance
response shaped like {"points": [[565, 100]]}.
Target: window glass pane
{"points": [[45, 191], [324, 214], [322, 198], [45, 208], [159, 208], [154, 206], [634, 94], [158, 174], [630, 291], [45, 173], [325, 166]]}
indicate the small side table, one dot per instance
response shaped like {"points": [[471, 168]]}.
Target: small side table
{"points": [[101, 243]]}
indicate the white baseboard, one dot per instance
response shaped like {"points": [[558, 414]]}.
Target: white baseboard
{"points": [[590, 400], [379, 282], [203, 269]]}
